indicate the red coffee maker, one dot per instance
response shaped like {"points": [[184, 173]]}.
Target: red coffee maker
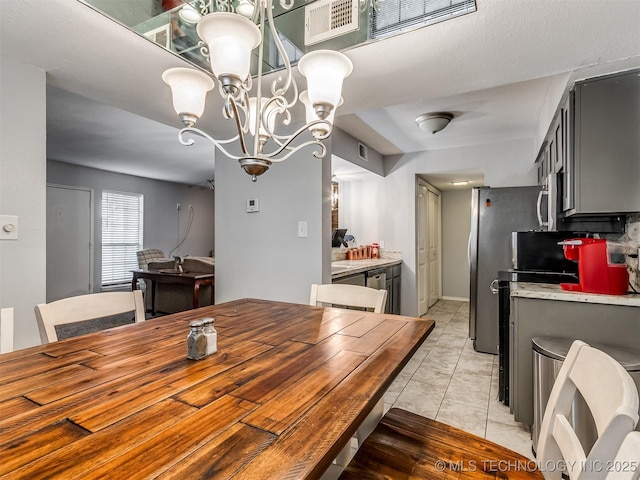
{"points": [[596, 272]]}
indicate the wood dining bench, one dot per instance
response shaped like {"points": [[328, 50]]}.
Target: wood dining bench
{"points": [[408, 446]]}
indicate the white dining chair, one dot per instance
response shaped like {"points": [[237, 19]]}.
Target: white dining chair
{"points": [[626, 465], [6, 330], [612, 398], [360, 297], [86, 307], [348, 296]]}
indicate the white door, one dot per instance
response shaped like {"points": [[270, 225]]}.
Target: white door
{"points": [[428, 246], [422, 250], [433, 245], [69, 242]]}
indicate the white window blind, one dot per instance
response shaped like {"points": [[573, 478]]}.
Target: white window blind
{"points": [[122, 222], [396, 16]]}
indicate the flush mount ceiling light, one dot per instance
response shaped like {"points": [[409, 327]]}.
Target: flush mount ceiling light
{"points": [[459, 183], [433, 122], [230, 38]]}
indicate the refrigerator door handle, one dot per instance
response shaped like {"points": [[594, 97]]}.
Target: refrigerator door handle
{"points": [[539, 208], [469, 253], [493, 286]]}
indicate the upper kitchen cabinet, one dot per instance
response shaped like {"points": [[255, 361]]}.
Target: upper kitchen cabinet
{"points": [[601, 150]]}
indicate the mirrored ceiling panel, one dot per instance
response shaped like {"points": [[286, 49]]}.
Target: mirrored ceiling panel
{"points": [[331, 24]]}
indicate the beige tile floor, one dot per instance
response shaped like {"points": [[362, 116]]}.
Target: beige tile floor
{"points": [[448, 381]]}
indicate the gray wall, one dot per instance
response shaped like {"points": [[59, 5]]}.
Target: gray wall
{"points": [[456, 226], [22, 193], [259, 255], [163, 223]]}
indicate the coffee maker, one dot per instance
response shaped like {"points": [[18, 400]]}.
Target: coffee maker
{"points": [[598, 271]]}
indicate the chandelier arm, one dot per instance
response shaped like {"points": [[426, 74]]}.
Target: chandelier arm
{"points": [[218, 143], [285, 145], [236, 115], [281, 139], [318, 153], [283, 54]]}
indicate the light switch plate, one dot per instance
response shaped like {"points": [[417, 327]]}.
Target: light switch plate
{"points": [[302, 229], [8, 227]]}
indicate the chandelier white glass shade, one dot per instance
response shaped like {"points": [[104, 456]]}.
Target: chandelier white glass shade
{"points": [[231, 39], [189, 88]]}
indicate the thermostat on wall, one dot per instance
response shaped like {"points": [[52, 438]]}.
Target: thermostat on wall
{"points": [[253, 205]]}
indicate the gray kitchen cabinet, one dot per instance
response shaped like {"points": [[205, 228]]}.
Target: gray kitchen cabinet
{"points": [[568, 171], [615, 325], [605, 165], [393, 289]]}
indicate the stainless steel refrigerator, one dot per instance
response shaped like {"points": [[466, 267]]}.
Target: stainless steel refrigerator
{"points": [[495, 213]]}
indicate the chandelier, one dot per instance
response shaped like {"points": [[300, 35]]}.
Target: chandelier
{"points": [[230, 38]]}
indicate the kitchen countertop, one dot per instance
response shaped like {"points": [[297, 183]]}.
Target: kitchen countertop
{"points": [[343, 268], [547, 291]]}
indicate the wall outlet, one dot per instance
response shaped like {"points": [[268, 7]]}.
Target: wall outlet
{"points": [[178, 206], [381, 244]]}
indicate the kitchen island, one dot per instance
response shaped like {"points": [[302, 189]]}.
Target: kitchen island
{"points": [[544, 310]]}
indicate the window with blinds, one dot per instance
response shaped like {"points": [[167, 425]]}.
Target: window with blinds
{"points": [[122, 222], [391, 17]]}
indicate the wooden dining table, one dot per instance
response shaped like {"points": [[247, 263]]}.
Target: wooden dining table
{"points": [[287, 388]]}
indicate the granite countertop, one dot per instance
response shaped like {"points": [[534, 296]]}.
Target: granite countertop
{"points": [[547, 291], [343, 268]]}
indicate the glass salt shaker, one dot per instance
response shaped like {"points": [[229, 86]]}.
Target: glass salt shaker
{"points": [[211, 334], [196, 341]]}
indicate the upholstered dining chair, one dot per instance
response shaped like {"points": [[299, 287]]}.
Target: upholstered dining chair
{"points": [[145, 257], [86, 307], [371, 299], [6, 330]]}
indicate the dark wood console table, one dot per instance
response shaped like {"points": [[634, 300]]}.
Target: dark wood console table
{"points": [[194, 279]]}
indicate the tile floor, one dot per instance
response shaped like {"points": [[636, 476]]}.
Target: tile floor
{"points": [[449, 381]]}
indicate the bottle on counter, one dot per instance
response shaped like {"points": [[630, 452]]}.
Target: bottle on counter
{"points": [[375, 251], [211, 334], [196, 341]]}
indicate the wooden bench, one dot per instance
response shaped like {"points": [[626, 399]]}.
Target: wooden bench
{"points": [[407, 446]]}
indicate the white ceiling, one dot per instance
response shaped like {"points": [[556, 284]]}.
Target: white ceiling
{"points": [[493, 69]]}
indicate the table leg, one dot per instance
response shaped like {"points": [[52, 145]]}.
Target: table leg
{"points": [[212, 292], [196, 293], [153, 298]]}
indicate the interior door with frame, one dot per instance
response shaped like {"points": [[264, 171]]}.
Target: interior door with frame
{"points": [[428, 246], [69, 242]]}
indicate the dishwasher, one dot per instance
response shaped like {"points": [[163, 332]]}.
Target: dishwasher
{"points": [[377, 279]]}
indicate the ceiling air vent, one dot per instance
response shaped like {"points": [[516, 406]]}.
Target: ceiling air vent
{"points": [[326, 19]]}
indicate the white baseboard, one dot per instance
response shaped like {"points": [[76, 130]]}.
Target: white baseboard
{"points": [[456, 299]]}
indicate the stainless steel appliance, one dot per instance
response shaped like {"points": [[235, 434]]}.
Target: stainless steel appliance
{"points": [[535, 257], [495, 213]]}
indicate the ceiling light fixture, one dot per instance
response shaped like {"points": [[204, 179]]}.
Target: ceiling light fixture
{"points": [[462, 182], [433, 122], [230, 39]]}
